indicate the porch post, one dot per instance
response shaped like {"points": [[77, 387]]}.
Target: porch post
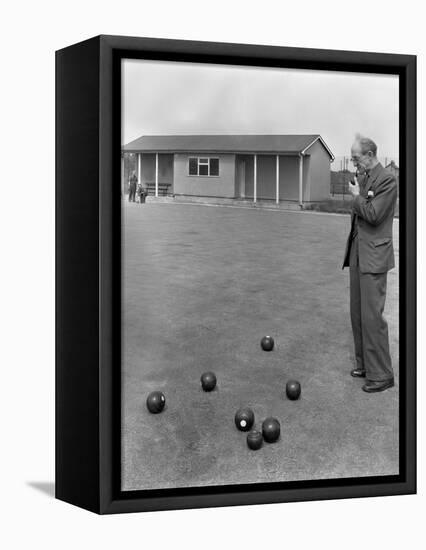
{"points": [[156, 174], [277, 171], [255, 179], [139, 167], [300, 180]]}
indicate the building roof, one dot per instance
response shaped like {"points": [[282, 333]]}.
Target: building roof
{"points": [[283, 144]]}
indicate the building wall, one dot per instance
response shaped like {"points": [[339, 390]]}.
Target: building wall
{"points": [[289, 178], [318, 185], [266, 176], [307, 177], [266, 183], [244, 176], [205, 186], [173, 169], [165, 168]]}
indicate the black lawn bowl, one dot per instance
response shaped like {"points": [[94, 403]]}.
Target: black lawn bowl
{"points": [[267, 343], [208, 381], [244, 419], [155, 402], [254, 440], [271, 430], [293, 389]]}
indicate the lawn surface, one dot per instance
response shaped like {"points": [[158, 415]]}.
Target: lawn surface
{"points": [[201, 286]]}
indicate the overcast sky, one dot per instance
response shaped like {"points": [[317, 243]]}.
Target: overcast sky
{"points": [[190, 98]]}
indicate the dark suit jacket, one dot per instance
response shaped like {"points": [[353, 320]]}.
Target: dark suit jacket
{"points": [[375, 212], [132, 183]]}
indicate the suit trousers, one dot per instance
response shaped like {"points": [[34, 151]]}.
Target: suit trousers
{"points": [[132, 194], [369, 327]]}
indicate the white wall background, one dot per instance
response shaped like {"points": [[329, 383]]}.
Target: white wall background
{"points": [[30, 32]]}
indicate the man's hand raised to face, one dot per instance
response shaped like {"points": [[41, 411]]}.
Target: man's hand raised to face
{"points": [[354, 187]]}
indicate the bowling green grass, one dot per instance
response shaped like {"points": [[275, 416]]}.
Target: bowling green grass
{"points": [[201, 286]]}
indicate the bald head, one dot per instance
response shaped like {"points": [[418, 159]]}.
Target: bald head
{"points": [[366, 144], [364, 153]]}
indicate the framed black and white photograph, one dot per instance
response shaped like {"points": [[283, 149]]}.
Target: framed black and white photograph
{"points": [[235, 274]]}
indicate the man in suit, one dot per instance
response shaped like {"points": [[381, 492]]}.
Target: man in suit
{"points": [[369, 255], [133, 181]]}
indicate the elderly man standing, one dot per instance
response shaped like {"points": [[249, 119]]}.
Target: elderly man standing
{"points": [[369, 256]]}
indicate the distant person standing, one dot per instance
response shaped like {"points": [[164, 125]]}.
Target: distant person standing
{"points": [[133, 181], [369, 256]]}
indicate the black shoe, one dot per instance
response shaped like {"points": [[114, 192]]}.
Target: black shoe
{"points": [[372, 387], [358, 373]]}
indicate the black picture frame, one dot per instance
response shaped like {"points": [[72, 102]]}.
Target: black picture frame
{"points": [[88, 251]]}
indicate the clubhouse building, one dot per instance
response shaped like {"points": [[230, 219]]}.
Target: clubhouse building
{"points": [[254, 168]]}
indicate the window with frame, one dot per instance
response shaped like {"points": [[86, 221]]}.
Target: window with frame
{"points": [[203, 166]]}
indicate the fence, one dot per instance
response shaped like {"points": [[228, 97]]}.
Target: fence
{"points": [[342, 171], [342, 163]]}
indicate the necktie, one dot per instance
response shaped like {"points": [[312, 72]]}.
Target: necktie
{"points": [[367, 176]]}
